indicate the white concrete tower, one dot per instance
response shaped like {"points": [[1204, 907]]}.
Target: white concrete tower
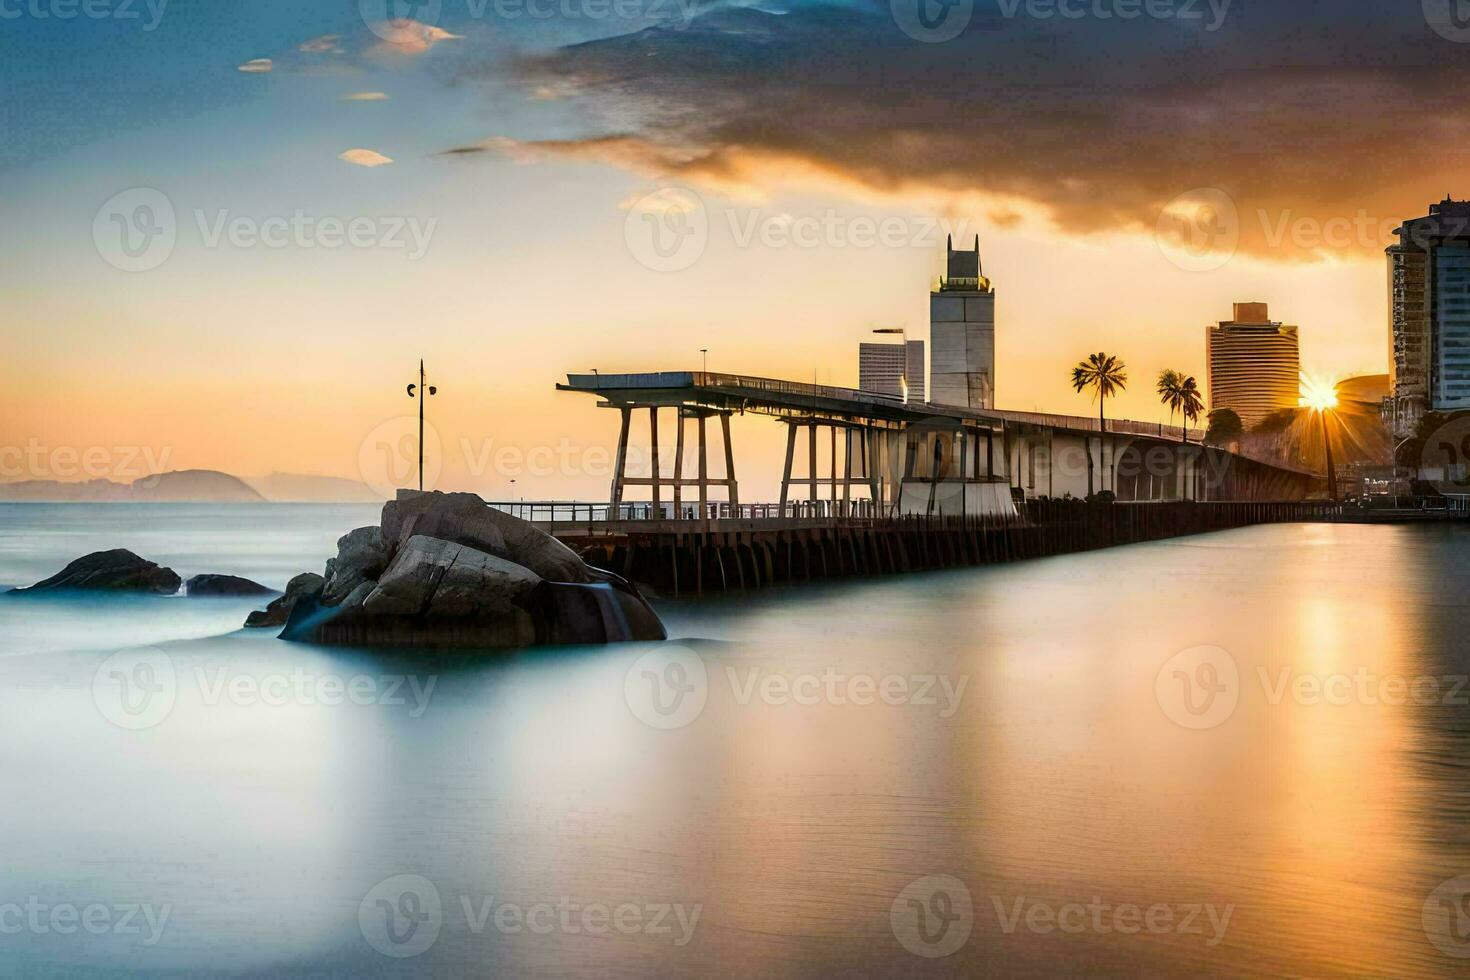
{"points": [[962, 333]]}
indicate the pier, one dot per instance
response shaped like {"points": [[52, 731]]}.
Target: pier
{"points": [[907, 487], [908, 459]]}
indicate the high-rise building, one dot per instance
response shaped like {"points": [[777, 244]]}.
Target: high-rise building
{"points": [[962, 333], [1429, 315], [1254, 364], [884, 369]]}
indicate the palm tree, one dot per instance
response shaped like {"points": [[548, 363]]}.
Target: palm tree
{"points": [[1107, 375], [1191, 402], [1170, 381]]}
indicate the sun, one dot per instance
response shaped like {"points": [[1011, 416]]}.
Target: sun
{"points": [[1317, 394]]}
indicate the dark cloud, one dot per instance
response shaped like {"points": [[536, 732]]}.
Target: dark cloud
{"points": [[1302, 112]]}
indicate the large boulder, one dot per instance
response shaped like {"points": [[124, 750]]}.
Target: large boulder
{"points": [[433, 577], [466, 519], [224, 585], [446, 570], [435, 594], [118, 570], [361, 557], [307, 585]]}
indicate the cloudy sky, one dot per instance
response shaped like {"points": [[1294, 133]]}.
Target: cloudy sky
{"points": [[232, 230]]}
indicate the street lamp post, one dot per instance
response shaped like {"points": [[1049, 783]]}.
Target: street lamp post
{"points": [[704, 364], [424, 391]]}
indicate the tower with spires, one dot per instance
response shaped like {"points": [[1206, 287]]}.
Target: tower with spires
{"points": [[962, 332]]}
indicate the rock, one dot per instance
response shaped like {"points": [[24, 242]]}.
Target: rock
{"points": [[435, 594], [307, 585], [118, 570], [446, 570], [466, 519], [599, 612], [224, 585], [432, 577], [361, 557]]}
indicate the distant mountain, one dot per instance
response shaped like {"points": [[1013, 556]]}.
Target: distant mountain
{"points": [[306, 488], [48, 491], [196, 486], [180, 486]]}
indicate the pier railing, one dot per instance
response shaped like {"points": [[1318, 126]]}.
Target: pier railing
{"points": [[576, 512]]}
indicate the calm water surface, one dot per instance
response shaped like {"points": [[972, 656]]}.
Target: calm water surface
{"points": [[1037, 755]]}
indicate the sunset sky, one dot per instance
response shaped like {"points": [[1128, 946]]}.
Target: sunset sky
{"points": [[495, 166]]}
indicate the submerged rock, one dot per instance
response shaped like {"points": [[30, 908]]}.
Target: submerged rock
{"points": [[224, 585], [447, 570], [118, 570], [307, 585]]}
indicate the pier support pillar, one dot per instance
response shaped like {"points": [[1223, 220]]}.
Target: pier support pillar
{"points": [[653, 446], [620, 466]]}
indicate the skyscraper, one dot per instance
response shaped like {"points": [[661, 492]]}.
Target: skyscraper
{"points": [[962, 333], [1254, 364], [883, 369], [1429, 315]]}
